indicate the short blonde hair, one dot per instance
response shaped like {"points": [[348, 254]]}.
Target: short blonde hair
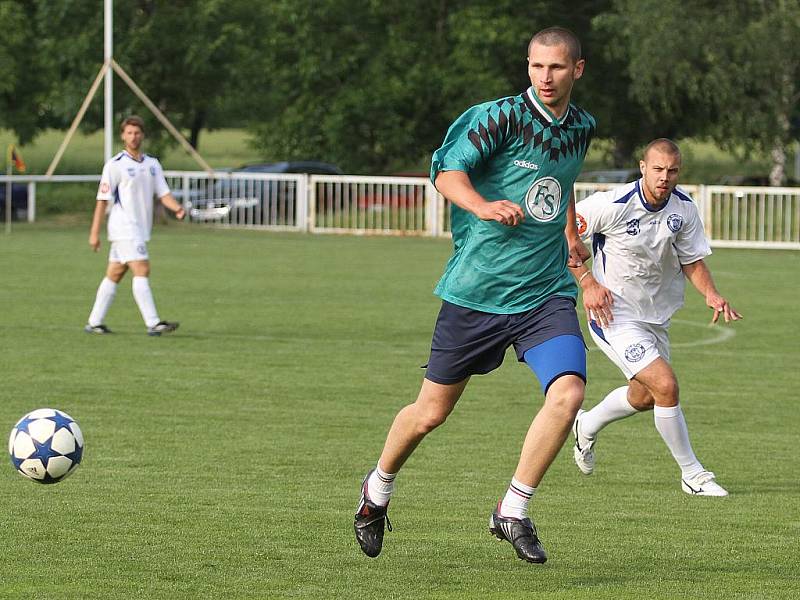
{"points": [[552, 36], [665, 145]]}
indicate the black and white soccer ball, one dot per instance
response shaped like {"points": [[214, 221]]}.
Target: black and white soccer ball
{"points": [[46, 445]]}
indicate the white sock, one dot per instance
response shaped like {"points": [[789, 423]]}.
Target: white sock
{"points": [[515, 502], [144, 300], [613, 407], [380, 486], [102, 302], [672, 427]]}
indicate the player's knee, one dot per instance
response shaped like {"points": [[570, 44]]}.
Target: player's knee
{"points": [[565, 396], [141, 269], [665, 391], [116, 271], [429, 419], [643, 402]]}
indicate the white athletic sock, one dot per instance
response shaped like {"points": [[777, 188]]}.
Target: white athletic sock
{"points": [[515, 502], [102, 302], [380, 486], [144, 300], [672, 427], [613, 407]]}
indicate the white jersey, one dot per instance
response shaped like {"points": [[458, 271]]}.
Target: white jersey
{"points": [[129, 185], [638, 250]]}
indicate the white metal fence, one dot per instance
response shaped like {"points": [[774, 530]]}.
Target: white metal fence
{"points": [[752, 217], [748, 217], [373, 205], [269, 201]]}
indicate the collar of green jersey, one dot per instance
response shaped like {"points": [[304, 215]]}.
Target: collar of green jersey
{"points": [[543, 109]]}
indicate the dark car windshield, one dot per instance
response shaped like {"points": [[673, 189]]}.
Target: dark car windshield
{"points": [[310, 167]]}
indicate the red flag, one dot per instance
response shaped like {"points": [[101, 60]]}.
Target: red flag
{"points": [[16, 158]]}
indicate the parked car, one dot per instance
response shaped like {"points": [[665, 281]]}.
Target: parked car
{"points": [[386, 196], [269, 197], [310, 167], [610, 176], [747, 180], [19, 201]]}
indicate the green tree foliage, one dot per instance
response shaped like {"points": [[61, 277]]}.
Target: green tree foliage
{"points": [[186, 55], [183, 53], [374, 85], [347, 81], [25, 71], [731, 75]]}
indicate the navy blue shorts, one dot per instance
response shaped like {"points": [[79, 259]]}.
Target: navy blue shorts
{"points": [[469, 342]]}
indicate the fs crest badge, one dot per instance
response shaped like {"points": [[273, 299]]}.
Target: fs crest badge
{"points": [[544, 199], [632, 227]]}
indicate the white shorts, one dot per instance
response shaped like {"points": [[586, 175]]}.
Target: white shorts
{"points": [[125, 251], [632, 346]]}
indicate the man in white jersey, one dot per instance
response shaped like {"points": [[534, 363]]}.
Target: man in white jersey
{"points": [[647, 238], [129, 182]]}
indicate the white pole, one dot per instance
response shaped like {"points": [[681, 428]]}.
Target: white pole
{"points": [[31, 201], [109, 89]]}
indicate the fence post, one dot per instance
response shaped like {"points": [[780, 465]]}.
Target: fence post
{"points": [[311, 207], [186, 198], [31, 201], [431, 210], [704, 196], [303, 203]]}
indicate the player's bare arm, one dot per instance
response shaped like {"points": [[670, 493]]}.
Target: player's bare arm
{"points": [[456, 187], [97, 223], [598, 300], [169, 201], [578, 252], [700, 276]]}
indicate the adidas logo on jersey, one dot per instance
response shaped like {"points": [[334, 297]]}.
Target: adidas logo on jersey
{"points": [[526, 165]]}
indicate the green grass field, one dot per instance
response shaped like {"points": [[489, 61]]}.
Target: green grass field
{"points": [[224, 462]]}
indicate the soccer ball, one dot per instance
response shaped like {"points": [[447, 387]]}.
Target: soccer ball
{"points": [[46, 445]]}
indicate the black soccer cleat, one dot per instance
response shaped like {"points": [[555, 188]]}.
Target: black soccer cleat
{"points": [[521, 533], [162, 327], [97, 329], [369, 523]]}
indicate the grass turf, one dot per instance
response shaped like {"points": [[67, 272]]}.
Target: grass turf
{"points": [[224, 461]]}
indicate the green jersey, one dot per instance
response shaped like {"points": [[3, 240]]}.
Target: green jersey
{"points": [[513, 149]]}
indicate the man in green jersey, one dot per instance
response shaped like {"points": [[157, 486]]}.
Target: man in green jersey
{"points": [[508, 167]]}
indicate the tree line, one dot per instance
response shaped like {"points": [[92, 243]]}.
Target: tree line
{"points": [[373, 84]]}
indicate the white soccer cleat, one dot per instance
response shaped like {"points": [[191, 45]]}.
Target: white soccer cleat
{"points": [[583, 451], [703, 484]]}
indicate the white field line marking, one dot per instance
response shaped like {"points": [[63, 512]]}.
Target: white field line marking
{"points": [[721, 335]]}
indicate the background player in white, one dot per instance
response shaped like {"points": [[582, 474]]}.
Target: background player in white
{"points": [[129, 181], [647, 238]]}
